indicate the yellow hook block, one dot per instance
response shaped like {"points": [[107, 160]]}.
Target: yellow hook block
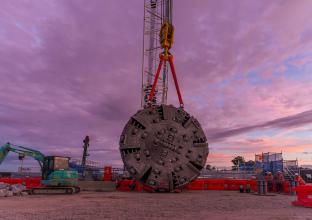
{"points": [[166, 37]]}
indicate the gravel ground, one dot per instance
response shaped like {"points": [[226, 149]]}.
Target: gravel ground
{"points": [[132, 205]]}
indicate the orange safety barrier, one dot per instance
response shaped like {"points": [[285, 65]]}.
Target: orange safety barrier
{"points": [[28, 182], [130, 185], [221, 184], [214, 184], [108, 174], [253, 185], [235, 184], [198, 184], [286, 186], [304, 196], [203, 184]]}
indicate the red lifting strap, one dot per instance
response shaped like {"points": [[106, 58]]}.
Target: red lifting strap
{"points": [[162, 60], [151, 96], [175, 81]]}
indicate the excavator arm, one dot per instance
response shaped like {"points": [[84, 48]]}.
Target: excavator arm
{"points": [[21, 151], [4, 150]]}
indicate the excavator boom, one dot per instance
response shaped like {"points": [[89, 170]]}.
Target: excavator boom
{"points": [[24, 151], [4, 150]]}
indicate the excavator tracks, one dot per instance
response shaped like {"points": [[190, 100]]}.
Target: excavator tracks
{"points": [[55, 190]]}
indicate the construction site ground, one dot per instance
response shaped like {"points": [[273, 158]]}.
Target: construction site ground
{"points": [[139, 205]]}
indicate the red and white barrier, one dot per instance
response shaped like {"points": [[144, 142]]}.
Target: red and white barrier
{"points": [[304, 196]]}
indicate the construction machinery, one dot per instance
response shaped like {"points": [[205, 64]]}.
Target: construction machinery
{"points": [[162, 146], [85, 151], [56, 176], [85, 155]]}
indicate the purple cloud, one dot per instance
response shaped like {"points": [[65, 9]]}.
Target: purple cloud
{"points": [[71, 68], [288, 122]]}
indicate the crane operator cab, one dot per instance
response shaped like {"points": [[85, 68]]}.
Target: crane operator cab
{"points": [[56, 172]]}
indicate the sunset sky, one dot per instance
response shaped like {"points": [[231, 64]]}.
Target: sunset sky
{"points": [[73, 67]]}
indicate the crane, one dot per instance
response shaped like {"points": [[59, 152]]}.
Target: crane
{"points": [[157, 40], [85, 155], [162, 146], [55, 173]]}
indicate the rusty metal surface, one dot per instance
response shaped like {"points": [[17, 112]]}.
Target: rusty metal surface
{"points": [[163, 147]]}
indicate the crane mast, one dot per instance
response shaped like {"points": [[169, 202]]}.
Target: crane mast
{"points": [[156, 13]]}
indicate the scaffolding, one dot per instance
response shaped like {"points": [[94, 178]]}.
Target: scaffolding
{"points": [[273, 162], [156, 12]]}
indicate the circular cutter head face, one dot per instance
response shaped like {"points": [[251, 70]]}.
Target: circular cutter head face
{"points": [[163, 147]]}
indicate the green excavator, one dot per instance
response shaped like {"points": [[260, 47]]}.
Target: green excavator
{"points": [[56, 176]]}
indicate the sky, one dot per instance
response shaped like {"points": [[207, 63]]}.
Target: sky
{"points": [[71, 68]]}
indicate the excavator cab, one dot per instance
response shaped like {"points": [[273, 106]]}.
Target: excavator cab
{"points": [[53, 163], [56, 172]]}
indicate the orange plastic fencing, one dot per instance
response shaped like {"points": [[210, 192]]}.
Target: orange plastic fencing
{"points": [[304, 196]]}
